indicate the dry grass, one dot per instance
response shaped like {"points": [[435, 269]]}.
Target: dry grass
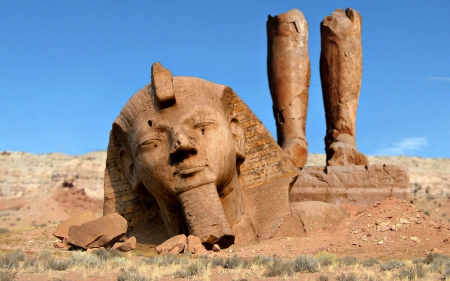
{"points": [[331, 267]]}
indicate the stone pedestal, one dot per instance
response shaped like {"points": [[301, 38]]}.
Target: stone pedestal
{"points": [[357, 185]]}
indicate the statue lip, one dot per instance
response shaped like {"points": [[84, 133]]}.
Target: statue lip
{"points": [[189, 170]]}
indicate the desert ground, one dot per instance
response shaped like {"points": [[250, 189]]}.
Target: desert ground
{"points": [[392, 239]]}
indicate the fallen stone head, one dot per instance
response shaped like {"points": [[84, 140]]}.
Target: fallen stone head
{"points": [[187, 156]]}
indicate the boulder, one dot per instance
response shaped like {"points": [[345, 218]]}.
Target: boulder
{"points": [[194, 245], [174, 245], [129, 244], [62, 230], [102, 232]]}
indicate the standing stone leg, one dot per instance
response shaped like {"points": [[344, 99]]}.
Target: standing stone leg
{"points": [[340, 73], [288, 71]]}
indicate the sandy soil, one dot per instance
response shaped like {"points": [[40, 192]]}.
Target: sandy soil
{"points": [[389, 229]]}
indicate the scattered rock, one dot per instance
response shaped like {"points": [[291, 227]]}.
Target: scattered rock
{"points": [[129, 244], [216, 248], [194, 245], [62, 230], [404, 221], [102, 232], [174, 245], [414, 238]]}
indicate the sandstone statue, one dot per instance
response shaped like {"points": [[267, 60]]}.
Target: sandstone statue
{"points": [[288, 70], [187, 156], [340, 71]]}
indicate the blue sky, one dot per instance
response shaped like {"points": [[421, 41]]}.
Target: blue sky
{"points": [[68, 67]]}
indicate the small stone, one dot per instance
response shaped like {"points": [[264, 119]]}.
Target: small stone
{"points": [[380, 242], [414, 238], [404, 221], [382, 228], [216, 248], [369, 215]]}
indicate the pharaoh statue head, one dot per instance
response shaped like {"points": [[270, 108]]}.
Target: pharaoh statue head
{"points": [[186, 155]]}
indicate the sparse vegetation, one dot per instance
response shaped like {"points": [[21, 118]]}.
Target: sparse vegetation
{"points": [[369, 262], [193, 269], [305, 264], [11, 260], [157, 267], [7, 274], [347, 276], [348, 261], [131, 274], [391, 264], [326, 259]]}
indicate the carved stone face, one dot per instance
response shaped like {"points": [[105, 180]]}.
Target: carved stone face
{"points": [[183, 147]]}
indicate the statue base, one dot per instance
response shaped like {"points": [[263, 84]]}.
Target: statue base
{"points": [[357, 185]]}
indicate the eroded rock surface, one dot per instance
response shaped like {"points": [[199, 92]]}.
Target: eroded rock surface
{"points": [[288, 70], [341, 73]]}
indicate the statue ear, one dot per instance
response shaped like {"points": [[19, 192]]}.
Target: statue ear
{"points": [[239, 140], [128, 167]]}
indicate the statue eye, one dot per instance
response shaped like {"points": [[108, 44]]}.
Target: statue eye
{"points": [[202, 126], [152, 143]]}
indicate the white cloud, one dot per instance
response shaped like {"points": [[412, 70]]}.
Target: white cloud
{"points": [[406, 145], [446, 79]]}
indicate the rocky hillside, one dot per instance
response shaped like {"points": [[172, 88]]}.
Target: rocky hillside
{"points": [[29, 175], [32, 182]]}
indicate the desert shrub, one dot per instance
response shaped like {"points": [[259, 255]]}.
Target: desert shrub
{"points": [[105, 255], [348, 261], [436, 257], [369, 262], [323, 278], [7, 274], [59, 265], [391, 264], [193, 269], [326, 258], [163, 260], [439, 263], [412, 272], [3, 230], [228, 263], [83, 259], [12, 259], [305, 264], [348, 276], [278, 267], [131, 274], [260, 260]]}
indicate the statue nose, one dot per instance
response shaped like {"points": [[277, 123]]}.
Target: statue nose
{"points": [[182, 147]]}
